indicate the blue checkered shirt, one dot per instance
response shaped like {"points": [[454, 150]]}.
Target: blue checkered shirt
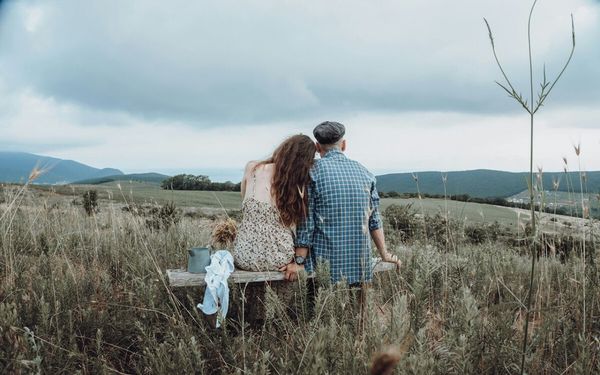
{"points": [[343, 207]]}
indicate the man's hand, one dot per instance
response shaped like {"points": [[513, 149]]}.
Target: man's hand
{"points": [[391, 258], [291, 271]]}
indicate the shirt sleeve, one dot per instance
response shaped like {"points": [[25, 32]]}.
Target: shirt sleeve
{"points": [[304, 234], [375, 221]]}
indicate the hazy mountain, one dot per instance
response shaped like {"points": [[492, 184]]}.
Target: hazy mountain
{"points": [[16, 167], [482, 183]]}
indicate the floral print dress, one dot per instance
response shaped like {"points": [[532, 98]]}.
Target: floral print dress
{"points": [[262, 243]]}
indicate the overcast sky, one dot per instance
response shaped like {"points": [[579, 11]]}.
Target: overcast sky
{"points": [[205, 86]]}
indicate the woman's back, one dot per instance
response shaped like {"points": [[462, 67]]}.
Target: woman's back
{"points": [[258, 183], [263, 243]]}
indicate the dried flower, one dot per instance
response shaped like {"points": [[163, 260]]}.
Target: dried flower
{"points": [[224, 233]]}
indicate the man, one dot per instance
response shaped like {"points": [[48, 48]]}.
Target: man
{"points": [[343, 214]]}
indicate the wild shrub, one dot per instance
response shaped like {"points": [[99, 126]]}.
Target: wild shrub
{"points": [[90, 202], [403, 220], [441, 231], [483, 232], [163, 217]]}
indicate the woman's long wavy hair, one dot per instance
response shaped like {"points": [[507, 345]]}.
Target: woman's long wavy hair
{"points": [[292, 161]]}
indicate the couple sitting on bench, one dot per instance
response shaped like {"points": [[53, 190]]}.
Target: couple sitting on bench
{"points": [[298, 211]]}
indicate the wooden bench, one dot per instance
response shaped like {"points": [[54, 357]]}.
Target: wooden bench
{"points": [[182, 278]]}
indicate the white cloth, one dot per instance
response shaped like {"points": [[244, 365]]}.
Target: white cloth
{"points": [[217, 291]]}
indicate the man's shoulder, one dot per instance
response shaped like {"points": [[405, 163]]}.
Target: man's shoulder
{"points": [[326, 166], [361, 167]]}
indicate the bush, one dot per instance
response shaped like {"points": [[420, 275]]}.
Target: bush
{"points": [[90, 202], [402, 219], [480, 233], [440, 230], [163, 217]]}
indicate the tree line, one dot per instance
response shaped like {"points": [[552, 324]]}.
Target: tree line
{"points": [[200, 182]]}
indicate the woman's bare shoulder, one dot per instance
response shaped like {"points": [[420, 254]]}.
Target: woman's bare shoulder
{"points": [[250, 166]]}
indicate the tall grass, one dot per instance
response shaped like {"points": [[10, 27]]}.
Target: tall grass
{"points": [[531, 107], [87, 296]]}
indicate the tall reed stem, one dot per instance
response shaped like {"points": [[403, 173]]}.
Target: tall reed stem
{"points": [[530, 107]]}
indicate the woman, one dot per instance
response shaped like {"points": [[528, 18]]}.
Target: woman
{"points": [[273, 204]]}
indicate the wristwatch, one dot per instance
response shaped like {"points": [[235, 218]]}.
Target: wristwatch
{"points": [[300, 260]]}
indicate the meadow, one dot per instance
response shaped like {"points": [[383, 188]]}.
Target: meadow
{"points": [[144, 192], [209, 202], [87, 294]]}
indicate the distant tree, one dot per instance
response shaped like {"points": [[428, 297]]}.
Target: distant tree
{"points": [[201, 182]]}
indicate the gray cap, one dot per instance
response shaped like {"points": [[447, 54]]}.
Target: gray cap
{"points": [[329, 132]]}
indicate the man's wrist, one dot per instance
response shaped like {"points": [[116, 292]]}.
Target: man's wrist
{"points": [[300, 260]]}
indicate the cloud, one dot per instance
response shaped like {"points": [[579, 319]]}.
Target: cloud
{"points": [[408, 141], [206, 86], [213, 63]]}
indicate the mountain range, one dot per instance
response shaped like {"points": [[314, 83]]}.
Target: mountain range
{"points": [[481, 183], [16, 167]]}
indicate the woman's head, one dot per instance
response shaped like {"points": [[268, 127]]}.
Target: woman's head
{"points": [[292, 162]]}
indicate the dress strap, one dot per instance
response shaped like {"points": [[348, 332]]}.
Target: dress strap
{"points": [[254, 182]]}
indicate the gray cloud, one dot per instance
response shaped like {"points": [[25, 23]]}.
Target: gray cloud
{"points": [[226, 62]]}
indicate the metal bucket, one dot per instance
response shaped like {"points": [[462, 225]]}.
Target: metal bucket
{"points": [[198, 259]]}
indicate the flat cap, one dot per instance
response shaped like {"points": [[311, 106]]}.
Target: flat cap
{"points": [[329, 132]]}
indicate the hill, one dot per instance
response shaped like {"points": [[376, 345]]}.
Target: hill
{"points": [[16, 166], [156, 178], [482, 183]]}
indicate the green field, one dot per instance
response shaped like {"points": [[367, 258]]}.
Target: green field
{"points": [[141, 192], [462, 211], [144, 192]]}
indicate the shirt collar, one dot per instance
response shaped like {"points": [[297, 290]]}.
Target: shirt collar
{"points": [[333, 153]]}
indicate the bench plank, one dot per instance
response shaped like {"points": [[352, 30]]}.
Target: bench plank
{"points": [[182, 278]]}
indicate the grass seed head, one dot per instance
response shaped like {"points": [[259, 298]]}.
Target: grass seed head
{"points": [[555, 183], [35, 173]]}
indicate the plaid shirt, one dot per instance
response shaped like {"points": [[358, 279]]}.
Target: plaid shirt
{"points": [[343, 207]]}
